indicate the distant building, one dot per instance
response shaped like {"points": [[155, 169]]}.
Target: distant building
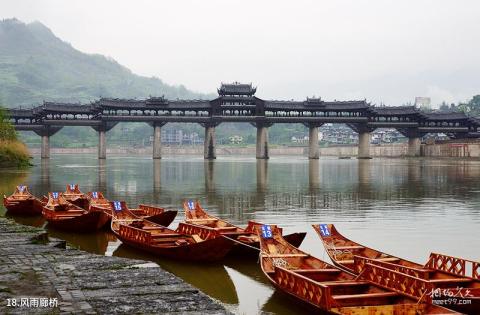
{"points": [[235, 139], [423, 102], [177, 136]]}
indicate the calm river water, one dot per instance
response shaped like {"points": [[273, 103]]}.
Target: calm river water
{"points": [[404, 207]]}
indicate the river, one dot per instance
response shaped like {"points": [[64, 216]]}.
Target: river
{"points": [[406, 207]]}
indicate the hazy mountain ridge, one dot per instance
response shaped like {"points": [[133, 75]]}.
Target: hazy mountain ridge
{"points": [[35, 65]]}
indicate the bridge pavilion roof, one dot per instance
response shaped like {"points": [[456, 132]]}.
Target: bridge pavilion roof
{"points": [[236, 89], [394, 110], [310, 104]]}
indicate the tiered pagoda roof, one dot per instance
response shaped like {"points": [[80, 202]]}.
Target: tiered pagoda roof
{"points": [[236, 89]]}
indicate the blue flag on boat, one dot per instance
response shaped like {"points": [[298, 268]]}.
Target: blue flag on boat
{"points": [[95, 195], [324, 229], [267, 231], [117, 205], [55, 195], [72, 186], [191, 205]]}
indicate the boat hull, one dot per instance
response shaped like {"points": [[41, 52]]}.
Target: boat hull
{"points": [[87, 222], [28, 207], [206, 251]]}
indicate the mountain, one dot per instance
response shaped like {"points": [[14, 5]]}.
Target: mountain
{"points": [[35, 65]]}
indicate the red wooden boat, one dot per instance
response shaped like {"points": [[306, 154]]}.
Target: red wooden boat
{"points": [[329, 288], [188, 242], [73, 195], [440, 271], [64, 215], [195, 214], [22, 202], [155, 214]]}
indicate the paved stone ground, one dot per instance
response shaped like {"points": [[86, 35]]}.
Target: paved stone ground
{"points": [[33, 267]]}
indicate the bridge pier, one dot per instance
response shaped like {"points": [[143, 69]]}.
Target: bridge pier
{"points": [[209, 143], [262, 142], [45, 133], [157, 141], [414, 146], [364, 145], [45, 148], [102, 144], [313, 150]]}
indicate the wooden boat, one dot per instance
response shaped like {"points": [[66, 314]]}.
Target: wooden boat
{"points": [[73, 195], [195, 214], [329, 288], [64, 215], [440, 271], [154, 214], [188, 242], [22, 202]]}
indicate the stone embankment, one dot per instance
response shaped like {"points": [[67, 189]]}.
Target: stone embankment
{"points": [[456, 149], [41, 276]]}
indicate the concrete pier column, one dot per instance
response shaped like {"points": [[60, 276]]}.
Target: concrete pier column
{"points": [[45, 149], [313, 150], [102, 145], [262, 142], [157, 141], [209, 144], [364, 145], [414, 146]]}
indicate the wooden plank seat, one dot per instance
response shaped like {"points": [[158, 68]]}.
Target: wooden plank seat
{"points": [[366, 295], [352, 247], [450, 280], [152, 228], [166, 235], [306, 271], [226, 228], [388, 259], [345, 283], [197, 220], [345, 262], [285, 255]]}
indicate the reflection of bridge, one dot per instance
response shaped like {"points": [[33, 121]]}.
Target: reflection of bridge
{"points": [[237, 103]]}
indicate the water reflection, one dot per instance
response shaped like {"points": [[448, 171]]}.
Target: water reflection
{"points": [[407, 207], [212, 279]]}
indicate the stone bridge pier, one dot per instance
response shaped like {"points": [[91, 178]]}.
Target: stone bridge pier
{"points": [[46, 132], [364, 137], [209, 150], [102, 140], [313, 148], [262, 140], [157, 139]]}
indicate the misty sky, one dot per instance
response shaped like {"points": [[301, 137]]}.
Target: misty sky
{"points": [[384, 51]]}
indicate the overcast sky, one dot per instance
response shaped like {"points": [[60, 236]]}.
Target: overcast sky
{"points": [[384, 51]]}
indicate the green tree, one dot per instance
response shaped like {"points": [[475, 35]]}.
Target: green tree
{"points": [[7, 131]]}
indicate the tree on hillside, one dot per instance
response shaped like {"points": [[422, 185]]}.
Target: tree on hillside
{"points": [[472, 107], [7, 131]]}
